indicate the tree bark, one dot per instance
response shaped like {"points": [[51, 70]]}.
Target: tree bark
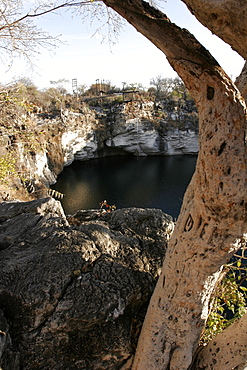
{"points": [[212, 223], [226, 18], [241, 82], [228, 350]]}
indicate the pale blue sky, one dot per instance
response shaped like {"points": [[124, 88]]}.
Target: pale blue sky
{"points": [[133, 59]]}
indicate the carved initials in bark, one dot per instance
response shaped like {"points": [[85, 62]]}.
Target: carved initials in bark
{"points": [[203, 232], [189, 223]]}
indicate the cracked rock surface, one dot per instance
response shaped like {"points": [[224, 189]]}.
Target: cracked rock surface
{"points": [[74, 291]]}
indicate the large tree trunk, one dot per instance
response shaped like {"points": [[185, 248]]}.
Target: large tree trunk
{"points": [[213, 220], [210, 227]]}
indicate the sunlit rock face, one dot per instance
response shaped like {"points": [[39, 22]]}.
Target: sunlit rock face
{"points": [[77, 145], [181, 142], [141, 141], [135, 138], [142, 129]]}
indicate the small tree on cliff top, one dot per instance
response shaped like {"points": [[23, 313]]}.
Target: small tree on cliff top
{"points": [[212, 224]]}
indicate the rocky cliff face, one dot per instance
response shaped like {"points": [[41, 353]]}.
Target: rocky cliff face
{"points": [[139, 128], [147, 129], [74, 291], [42, 146]]}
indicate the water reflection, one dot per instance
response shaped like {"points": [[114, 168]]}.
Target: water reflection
{"points": [[153, 182]]}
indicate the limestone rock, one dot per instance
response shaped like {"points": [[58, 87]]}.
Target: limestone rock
{"points": [[76, 146], [134, 129], [74, 291]]}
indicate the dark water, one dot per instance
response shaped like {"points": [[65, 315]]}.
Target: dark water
{"points": [[152, 182]]}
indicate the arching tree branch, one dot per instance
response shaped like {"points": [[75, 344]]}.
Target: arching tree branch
{"points": [[227, 19]]}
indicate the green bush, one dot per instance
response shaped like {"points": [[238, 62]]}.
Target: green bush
{"points": [[229, 300], [7, 167]]}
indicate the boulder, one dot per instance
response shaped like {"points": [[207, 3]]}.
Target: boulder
{"points": [[74, 291]]}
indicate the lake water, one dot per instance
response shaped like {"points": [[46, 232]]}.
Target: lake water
{"points": [[126, 181]]}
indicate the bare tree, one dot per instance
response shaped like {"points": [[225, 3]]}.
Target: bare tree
{"points": [[163, 85], [19, 35]]}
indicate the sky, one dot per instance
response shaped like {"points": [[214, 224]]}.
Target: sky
{"points": [[132, 59]]}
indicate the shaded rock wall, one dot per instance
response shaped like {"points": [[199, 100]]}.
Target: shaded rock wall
{"points": [[73, 292]]}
